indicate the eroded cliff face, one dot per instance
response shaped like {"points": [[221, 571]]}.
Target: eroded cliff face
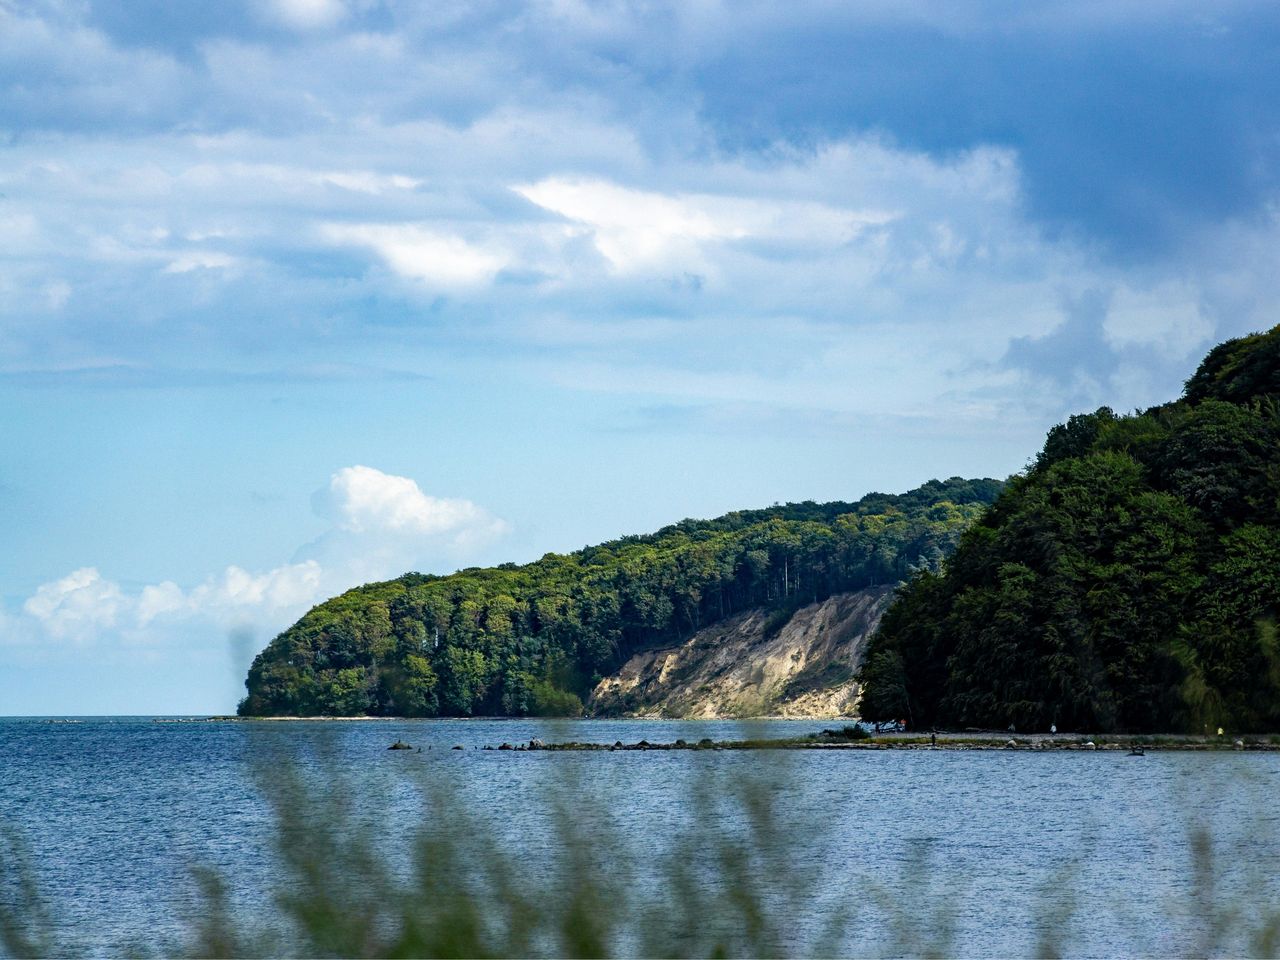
{"points": [[749, 666]]}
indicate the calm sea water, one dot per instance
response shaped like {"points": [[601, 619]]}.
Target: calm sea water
{"points": [[117, 812]]}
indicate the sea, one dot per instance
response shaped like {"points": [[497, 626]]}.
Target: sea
{"points": [[118, 823]]}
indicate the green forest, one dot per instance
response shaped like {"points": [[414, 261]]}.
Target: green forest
{"points": [[1128, 581], [535, 639]]}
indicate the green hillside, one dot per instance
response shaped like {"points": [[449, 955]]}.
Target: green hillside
{"points": [[1129, 581], [514, 640]]}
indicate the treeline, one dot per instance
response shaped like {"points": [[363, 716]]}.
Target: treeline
{"points": [[534, 639], [1129, 581]]}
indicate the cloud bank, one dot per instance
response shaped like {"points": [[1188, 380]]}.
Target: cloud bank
{"points": [[750, 203], [382, 525]]}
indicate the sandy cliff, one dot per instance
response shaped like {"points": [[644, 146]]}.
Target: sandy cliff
{"points": [[749, 665]]}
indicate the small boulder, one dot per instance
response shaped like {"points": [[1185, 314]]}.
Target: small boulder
{"points": [[505, 746], [457, 746], [1239, 744], [1010, 744], [1089, 745], [400, 745]]}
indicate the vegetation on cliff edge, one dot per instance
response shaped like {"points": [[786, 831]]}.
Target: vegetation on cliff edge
{"points": [[1130, 580], [534, 639]]}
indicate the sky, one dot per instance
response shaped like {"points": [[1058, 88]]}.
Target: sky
{"points": [[301, 294]]}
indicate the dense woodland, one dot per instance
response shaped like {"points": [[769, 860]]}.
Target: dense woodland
{"points": [[1129, 581], [534, 639]]}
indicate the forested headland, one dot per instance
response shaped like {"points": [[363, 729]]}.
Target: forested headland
{"points": [[1128, 581], [535, 639]]}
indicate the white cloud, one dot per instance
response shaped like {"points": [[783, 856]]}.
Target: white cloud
{"points": [[83, 606], [78, 606], [365, 181], [279, 589], [364, 500], [229, 596], [631, 228], [420, 253], [160, 599], [382, 526], [308, 14], [635, 229]]}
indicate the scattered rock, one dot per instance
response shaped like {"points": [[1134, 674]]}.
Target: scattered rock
{"points": [[536, 744], [400, 745], [681, 743], [505, 746]]}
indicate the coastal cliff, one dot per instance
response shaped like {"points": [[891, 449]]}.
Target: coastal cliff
{"points": [[538, 638], [750, 665]]}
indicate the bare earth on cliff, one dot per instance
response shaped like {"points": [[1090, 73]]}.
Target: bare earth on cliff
{"points": [[746, 666]]}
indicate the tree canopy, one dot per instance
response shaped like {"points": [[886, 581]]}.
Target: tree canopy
{"points": [[1130, 580], [534, 639]]}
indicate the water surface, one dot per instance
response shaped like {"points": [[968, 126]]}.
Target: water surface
{"points": [[118, 812]]}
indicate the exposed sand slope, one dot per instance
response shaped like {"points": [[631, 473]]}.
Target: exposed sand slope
{"points": [[736, 668]]}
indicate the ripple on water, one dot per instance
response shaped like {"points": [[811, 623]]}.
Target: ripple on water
{"points": [[118, 811]]}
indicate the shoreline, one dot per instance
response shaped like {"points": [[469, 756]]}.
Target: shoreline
{"points": [[232, 718], [1136, 745], [827, 740]]}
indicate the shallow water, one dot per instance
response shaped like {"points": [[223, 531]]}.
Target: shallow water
{"points": [[118, 811]]}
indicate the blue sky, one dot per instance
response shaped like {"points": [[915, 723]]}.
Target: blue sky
{"points": [[304, 293]]}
